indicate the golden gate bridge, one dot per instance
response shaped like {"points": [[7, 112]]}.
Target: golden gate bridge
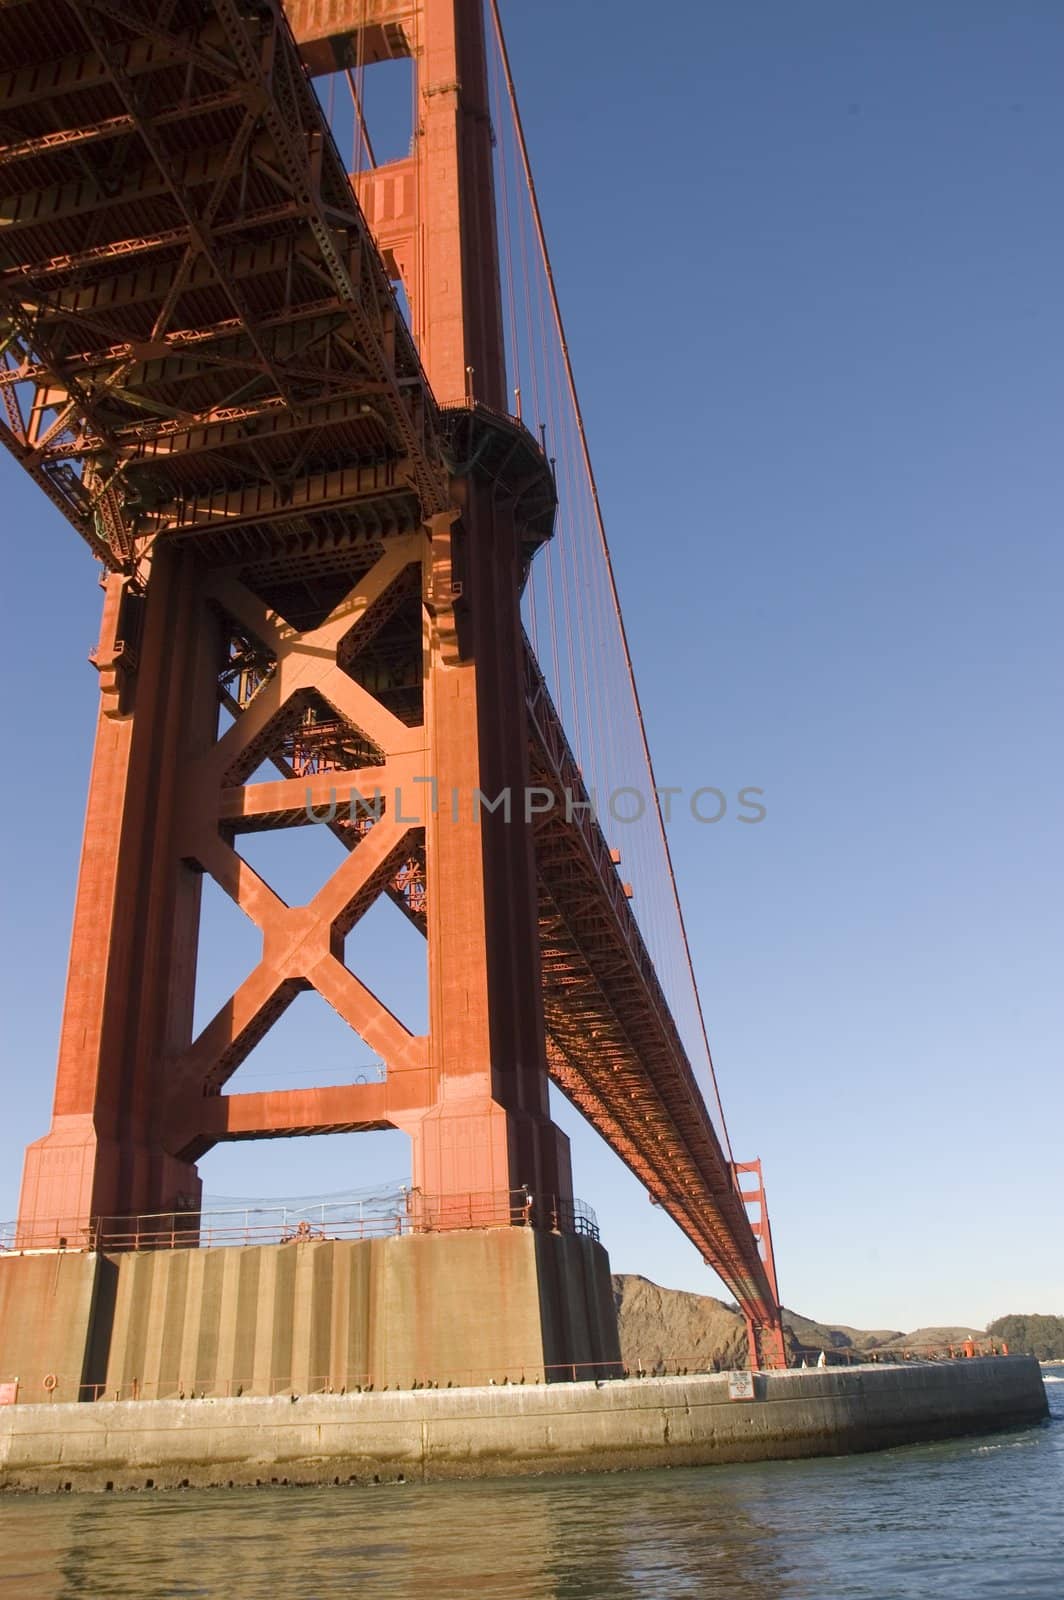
{"points": [[314, 415]]}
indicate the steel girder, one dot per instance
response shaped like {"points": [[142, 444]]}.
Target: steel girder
{"points": [[248, 367]]}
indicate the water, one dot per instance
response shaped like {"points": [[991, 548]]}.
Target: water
{"points": [[978, 1519]]}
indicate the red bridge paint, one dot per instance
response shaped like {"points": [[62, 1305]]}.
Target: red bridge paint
{"points": [[322, 524]]}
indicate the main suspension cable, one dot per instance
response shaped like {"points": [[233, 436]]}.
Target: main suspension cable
{"points": [[600, 524]]}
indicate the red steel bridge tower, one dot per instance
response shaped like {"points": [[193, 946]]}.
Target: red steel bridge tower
{"points": [[315, 524]]}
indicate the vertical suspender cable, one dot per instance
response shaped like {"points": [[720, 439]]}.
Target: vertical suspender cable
{"points": [[504, 56], [360, 137]]}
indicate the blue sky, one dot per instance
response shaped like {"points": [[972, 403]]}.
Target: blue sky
{"points": [[810, 258]]}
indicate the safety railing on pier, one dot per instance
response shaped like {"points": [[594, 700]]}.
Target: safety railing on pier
{"points": [[411, 1212]]}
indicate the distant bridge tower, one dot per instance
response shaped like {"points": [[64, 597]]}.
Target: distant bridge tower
{"points": [[358, 648]]}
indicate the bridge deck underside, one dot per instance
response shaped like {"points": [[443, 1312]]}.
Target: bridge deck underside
{"points": [[613, 1045], [200, 342], [197, 317]]}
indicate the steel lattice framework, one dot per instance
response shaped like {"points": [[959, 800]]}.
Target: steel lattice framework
{"points": [[205, 369]]}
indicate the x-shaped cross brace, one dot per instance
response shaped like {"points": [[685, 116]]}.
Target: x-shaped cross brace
{"points": [[302, 945]]}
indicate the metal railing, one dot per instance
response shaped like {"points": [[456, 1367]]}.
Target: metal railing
{"points": [[412, 1212], [67, 1388]]}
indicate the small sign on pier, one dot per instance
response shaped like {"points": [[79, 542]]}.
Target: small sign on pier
{"points": [[741, 1386]]}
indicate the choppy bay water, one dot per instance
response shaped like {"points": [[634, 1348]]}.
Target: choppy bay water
{"points": [[978, 1519]]}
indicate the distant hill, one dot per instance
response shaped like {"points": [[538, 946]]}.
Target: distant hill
{"points": [[1036, 1335], [668, 1326], [837, 1336], [673, 1327], [935, 1338]]}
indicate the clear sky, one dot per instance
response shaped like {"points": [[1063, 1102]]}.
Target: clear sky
{"points": [[811, 259]]}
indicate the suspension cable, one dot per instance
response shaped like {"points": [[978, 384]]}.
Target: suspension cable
{"points": [[362, 138], [537, 215]]}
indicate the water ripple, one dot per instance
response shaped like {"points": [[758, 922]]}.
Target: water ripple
{"points": [[979, 1519]]}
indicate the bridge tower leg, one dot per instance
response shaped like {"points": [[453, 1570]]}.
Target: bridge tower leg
{"points": [[766, 1342], [138, 1100], [131, 975], [490, 1127]]}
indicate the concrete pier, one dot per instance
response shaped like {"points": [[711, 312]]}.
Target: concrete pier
{"points": [[463, 1307], [420, 1435]]}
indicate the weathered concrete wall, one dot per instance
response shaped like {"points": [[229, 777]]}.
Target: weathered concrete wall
{"points": [[578, 1314], [481, 1432], [460, 1308], [46, 1312]]}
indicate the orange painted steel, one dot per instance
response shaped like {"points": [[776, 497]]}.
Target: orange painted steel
{"points": [[315, 530]]}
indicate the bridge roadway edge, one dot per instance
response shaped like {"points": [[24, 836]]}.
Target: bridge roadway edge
{"points": [[503, 1431]]}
